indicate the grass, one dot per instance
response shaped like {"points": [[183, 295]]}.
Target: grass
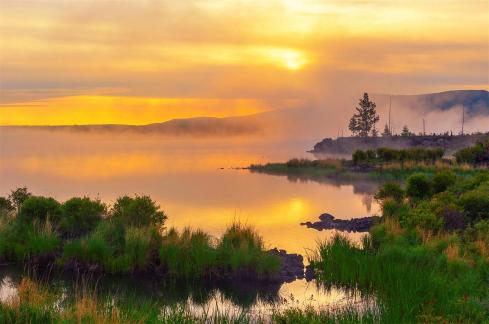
{"points": [[413, 283]]}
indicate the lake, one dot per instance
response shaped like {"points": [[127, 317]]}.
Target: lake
{"points": [[198, 183]]}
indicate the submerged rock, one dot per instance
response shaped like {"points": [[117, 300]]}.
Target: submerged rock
{"points": [[328, 221]]}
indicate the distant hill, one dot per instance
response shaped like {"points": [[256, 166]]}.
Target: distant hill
{"points": [[474, 101], [442, 111]]}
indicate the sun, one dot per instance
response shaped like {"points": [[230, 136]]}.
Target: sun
{"points": [[293, 60], [290, 59]]}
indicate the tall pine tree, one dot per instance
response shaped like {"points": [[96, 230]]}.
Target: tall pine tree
{"points": [[363, 122]]}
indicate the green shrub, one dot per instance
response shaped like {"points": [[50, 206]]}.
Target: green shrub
{"points": [[386, 154], [40, 209], [476, 155], [100, 247], [423, 216], [371, 155], [6, 206], [475, 204], [390, 190], [80, 216], [359, 157], [443, 180], [20, 241], [418, 186], [138, 211]]}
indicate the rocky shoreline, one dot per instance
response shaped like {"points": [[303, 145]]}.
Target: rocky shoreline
{"points": [[328, 221], [292, 266]]}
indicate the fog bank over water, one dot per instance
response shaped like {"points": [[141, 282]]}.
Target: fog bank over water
{"points": [[192, 179], [442, 112]]}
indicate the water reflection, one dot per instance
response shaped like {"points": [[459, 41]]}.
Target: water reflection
{"points": [[208, 297], [193, 182]]}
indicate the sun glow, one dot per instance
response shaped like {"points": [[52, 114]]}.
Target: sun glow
{"points": [[290, 59]]}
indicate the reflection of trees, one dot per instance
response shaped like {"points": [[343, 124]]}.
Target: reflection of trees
{"points": [[361, 183], [367, 201]]}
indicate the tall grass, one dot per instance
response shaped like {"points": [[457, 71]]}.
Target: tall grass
{"points": [[412, 282], [241, 249], [188, 254]]}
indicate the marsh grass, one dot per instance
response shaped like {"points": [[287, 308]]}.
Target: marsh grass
{"points": [[239, 252], [241, 249], [412, 282], [188, 254]]}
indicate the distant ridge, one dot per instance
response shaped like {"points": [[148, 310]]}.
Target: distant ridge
{"points": [[306, 123]]}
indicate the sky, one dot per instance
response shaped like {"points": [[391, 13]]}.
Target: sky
{"points": [[65, 62]]}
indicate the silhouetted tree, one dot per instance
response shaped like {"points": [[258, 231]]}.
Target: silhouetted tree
{"points": [[406, 131], [18, 196], [386, 131], [363, 122]]}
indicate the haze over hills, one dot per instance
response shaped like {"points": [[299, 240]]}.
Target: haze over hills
{"points": [[441, 111]]}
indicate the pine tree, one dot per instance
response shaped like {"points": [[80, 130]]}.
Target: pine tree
{"points": [[406, 131], [363, 122], [386, 131], [375, 133]]}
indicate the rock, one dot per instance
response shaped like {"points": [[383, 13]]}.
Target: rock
{"points": [[327, 221], [309, 274], [292, 265]]}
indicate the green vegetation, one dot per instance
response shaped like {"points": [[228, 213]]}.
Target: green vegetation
{"points": [[82, 233], [388, 155], [428, 260], [474, 155]]}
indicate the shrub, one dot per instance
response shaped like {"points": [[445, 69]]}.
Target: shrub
{"points": [[40, 209], [422, 216], [418, 186], [100, 247], [359, 157], [476, 155], [453, 218], [442, 180], [138, 211], [5, 206], [390, 190], [386, 154], [371, 155], [20, 241], [80, 216], [475, 204]]}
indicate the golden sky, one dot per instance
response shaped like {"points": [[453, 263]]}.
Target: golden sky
{"points": [[137, 61]]}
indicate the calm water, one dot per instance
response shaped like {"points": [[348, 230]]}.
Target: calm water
{"points": [[196, 184]]}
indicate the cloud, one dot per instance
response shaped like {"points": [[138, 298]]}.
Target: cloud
{"points": [[324, 54]]}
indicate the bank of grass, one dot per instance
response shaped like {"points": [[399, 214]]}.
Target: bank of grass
{"points": [[428, 260], [129, 237]]}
